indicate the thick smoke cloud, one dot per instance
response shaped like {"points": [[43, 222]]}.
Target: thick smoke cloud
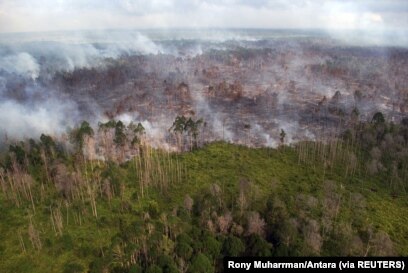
{"points": [[27, 107], [50, 117], [21, 64], [67, 51]]}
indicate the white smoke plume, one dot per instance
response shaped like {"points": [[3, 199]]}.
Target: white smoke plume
{"points": [[50, 117], [21, 63]]}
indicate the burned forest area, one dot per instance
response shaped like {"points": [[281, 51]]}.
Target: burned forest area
{"points": [[246, 95], [171, 154]]}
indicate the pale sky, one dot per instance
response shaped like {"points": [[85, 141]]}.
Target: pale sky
{"points": [[50, 15]]}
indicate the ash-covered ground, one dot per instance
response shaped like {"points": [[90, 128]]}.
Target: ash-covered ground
{"points": [[246, 85]]}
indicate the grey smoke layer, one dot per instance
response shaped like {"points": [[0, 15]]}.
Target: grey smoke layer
{"points": [[246, 84]]}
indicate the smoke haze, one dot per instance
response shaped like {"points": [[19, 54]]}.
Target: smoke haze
{"points": [[149, 61]]}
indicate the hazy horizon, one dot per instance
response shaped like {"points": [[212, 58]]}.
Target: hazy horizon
{"points": [[46, 15]]}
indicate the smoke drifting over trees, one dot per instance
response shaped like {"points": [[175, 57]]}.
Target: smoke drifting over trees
{"points": [[247, 86], [130, 143]]}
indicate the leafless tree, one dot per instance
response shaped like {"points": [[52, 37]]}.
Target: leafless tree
{"points": [[311, 233], [256, 225], [188, 203], [224, 222]]}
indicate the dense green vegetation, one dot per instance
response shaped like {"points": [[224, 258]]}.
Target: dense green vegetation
{"points": [[168, 212]]}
